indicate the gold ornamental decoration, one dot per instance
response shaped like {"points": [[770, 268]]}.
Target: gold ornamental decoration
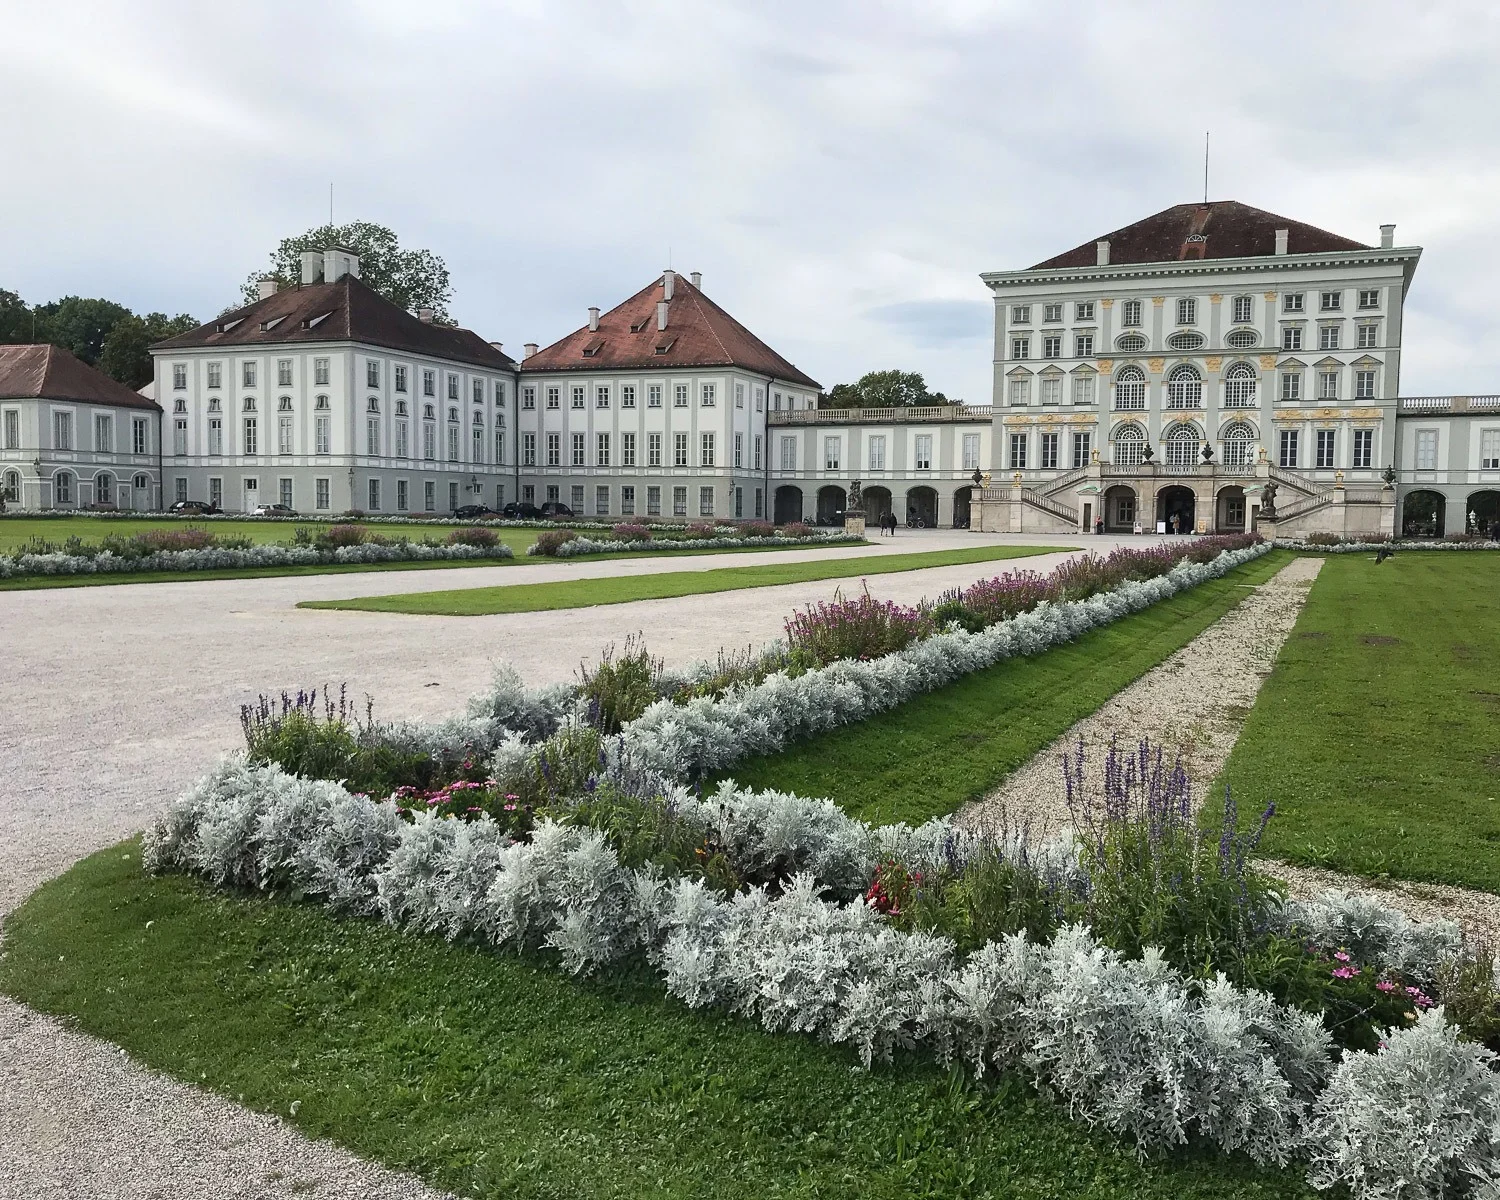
{"points": [[1216, 298], [1106, 304], [1106, 365], [1156, 364], [1213, 363], [1158, 301], [1267, 362], [1269, 296]]}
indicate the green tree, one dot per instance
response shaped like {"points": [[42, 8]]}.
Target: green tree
{"points": [[79, 324], [412, 279], [884, 389], [15, 318], [127, 350]]}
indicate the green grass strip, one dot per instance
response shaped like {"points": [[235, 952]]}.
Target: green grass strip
{"points": [[935, 753], [1378, 732], [496, 1076], [621, 589]]}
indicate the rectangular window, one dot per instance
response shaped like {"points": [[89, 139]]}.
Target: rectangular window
{"points": [[1020, 348], [452, 496], [179, 488], [627, 449], [12, 429], [1427, 449], [552, 496], [575, 494], [138, 436], [1324, 448], [877, 452], [923, 456], [627, 395], [1083, 310], [1243, 311], [1083, 346], [1187, 311], [321, 435], [1328, 337], [706, 450], [104, 433], [679, 501], [627, 501], [1082, 444], [429, 383], [680, 396], [580, 395], [216, 434], [476, 444], [578, 450], [1288, 457], [1291, 337], [705, 502], [283, 435], [1328, 385], [679, 449], [739, 451], [1052, 346], [739, 395], [1018, 451], [755, 453], [1364, 444], [320, 372], [499, 392], [251, 436], [453, 443], [554, 397], [739, 502], [1052, 312], [1369, 298], [1083, 389], [179, 437], [283, 372], [1489, 449], [476, 391], [760, 399], [429, 495], [216, 491], [528, 449], [400, 377], [403, 441], [284, 492], [1048, 450], [1364, 385], [653, 501], [832, 453], [708, 394], [788, 454], [653, 396], [179, 377], [1292, 302], [452, 386], [372, 376], [554, 449], [216, 375], [374, 496], [653, 449], [601, 396], [1331, 302], [601, 500], [528, 398], [1020, 314], [401, 495], [760, 502], [1368, 337], [1020, 392], [1051, 389], [1130, 313], [62, 431], [247, 374], [601, 450], [429, 441], [1291, 385]]}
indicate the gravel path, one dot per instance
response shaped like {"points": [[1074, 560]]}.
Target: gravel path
{"points": [[119, 696]]}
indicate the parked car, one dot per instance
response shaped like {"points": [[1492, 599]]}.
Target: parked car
{"points": [[474, 512], [193, 508], [517, 511], [274, 510], [555, 509]]}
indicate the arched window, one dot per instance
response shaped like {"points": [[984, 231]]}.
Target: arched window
{"points": [[1239, 441], [1240, 386], [373, 405], [1130, 343], [478, 418], [249, 403], [453, 414], [321, 404], [104, 489], [1130, 445], [62, 488], [179, 405], [142, 483], [1185, 341], [214, 405], [1130, 388], [427, 411], [1182, 445], [12, 487], [1242, 338], [284, 404], [1184, 388]]}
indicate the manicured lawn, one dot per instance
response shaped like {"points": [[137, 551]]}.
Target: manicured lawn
{"points": [[937, 752], [501, 1077], [1378, 733], [17, 532], [581, 593]]}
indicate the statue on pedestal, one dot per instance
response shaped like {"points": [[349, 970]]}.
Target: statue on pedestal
{"points": [[856, 498], [1268, 502]]}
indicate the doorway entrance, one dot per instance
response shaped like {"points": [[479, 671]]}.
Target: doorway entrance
{"points": [[1231, 516], [1119, 509], [787, 505], [1178, 503]]}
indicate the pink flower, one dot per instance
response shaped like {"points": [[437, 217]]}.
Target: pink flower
{"points": [[510, 808], [1341, 956], [511, 796], [1385, 985], [1345, 972]]}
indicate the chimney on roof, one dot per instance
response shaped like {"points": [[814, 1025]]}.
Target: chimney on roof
{"points": [[498, 347], [661, 315], [265, 288], [339, 261], [668, 282], [1281, 239], [1101, 252], [528, 351], [697, 278], [594, 318], [425, 315], [312, 266], [1387, 236]]}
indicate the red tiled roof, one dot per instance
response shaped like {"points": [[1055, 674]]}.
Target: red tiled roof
{"points": [[1218, 229], [698, 334], [52, 373], [346, 310]]}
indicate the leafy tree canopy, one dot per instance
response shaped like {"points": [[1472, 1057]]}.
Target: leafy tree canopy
{"points": [[127, 350], [100, 332], [78, 324], [884, 389], [411, 278], [15, 318]]}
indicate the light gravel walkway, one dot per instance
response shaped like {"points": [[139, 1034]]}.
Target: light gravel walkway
{"points": [[117, 697]]}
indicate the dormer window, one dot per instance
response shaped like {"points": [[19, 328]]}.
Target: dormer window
{"points": [[593, 348], [640, 325], [663, 347], [267, 326], [226, 326], [314, 322]]}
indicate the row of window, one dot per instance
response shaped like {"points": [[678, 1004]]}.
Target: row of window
{"points": [[708, 452], [875, 457], [604, 393], [1427, 449], [1243, 308], [1330, 337], [1183, 447], [322, 439], [63, 488], [62, 432], [250, 370], [1185, 387], [603, 503]]}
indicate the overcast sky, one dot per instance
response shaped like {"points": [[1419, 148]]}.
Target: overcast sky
{"points": [[840, 172]]}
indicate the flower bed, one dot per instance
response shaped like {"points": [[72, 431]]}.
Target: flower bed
{"points": [[1356, 546], [723, 538]]}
